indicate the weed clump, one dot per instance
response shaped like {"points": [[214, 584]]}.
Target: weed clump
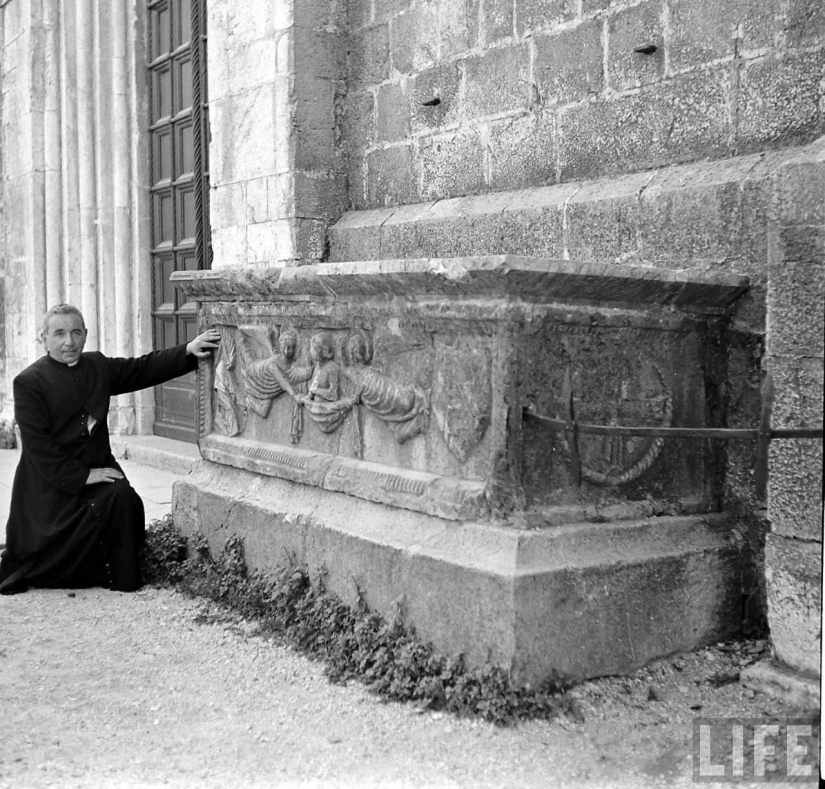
{"points": [[353, 642]]}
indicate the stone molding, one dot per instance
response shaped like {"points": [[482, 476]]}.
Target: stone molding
{"points": [[502, 276]]}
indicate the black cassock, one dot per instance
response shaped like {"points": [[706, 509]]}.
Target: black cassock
{"points": [[61, 532]]}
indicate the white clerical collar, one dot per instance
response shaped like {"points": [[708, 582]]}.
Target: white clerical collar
{"points": [[72, 364]]}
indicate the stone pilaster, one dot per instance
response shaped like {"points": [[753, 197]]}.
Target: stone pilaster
{"points": [[274, 74], [71, 182], [795, 357]]}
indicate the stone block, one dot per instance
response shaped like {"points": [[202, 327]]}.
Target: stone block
{"points": [[452, 164], [702, 31], [569, 66], [317, 14], [414, 38], [392, 121], [523, 151], [803, 23], [229, 246], [250, 66], [603, 219], [319, 196], [280, 196], [593, 7], [795, 488], [779, 100], [257, 201], [227, 205], [796, 292], [686, 118], [497, 18], [313, 123], [800, 193], [794, 572], [358, 122], [369, 55], [458, 26], [799, 396], [799, 245], [533, 222], [356, 172], [247, 124], [464, 223], [689, 226], [444, 83], [357, 235], [399, 231], [318, 53], [626, 30], [251, 21], [497, 81], [391, 176], [385, 9], [489, 593], [268, 242], [358, 14], [541, 15], [310, 237]]}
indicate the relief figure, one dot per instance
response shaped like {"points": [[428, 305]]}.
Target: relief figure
{"points": [[404, 408], [230, 408], [269, 377], [323, 402]]}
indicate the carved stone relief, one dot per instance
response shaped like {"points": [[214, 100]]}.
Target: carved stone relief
{"points": [[635, 395], [462, 394], [252, 369]]}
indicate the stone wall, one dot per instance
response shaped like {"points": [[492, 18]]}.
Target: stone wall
{"points": [[457, 97], [275, 173]]}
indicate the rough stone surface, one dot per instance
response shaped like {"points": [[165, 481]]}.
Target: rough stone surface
{"points": [[794, 572], [392, 175], [686, 118], [414, 39], [492, 593], [497, 82], [570, 65], [703, 30], [780, 99], [791, 687], [542, 14], [795, 488], [724, 79], [523, 151], [628, 30], [442, 83], [452, 164]]}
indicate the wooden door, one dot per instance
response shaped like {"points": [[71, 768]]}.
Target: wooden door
{"points": [[180, 190]]}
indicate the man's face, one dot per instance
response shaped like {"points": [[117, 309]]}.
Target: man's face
{"points": [[65, 337]]}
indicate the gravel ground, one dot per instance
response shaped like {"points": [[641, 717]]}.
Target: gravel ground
{"points": [[102, 689]]}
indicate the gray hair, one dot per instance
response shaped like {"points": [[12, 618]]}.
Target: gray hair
{"points": [[61, 309]]}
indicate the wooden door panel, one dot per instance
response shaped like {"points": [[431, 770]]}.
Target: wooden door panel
{"points": [[180, 187]]}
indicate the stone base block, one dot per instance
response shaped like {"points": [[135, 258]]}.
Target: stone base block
{"points": [[798, 691], [582, 599], [793, 569]]}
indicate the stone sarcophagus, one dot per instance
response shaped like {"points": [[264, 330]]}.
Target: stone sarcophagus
{"points": [[370, 418]]}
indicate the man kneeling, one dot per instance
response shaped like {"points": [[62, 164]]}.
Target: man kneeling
{"points": [[75, 521]]}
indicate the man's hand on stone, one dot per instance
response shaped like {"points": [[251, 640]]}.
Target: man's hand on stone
{"points": [[204, 343], [103, 475]]}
